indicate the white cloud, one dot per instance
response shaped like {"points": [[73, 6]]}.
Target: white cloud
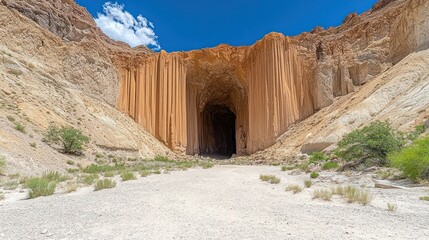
{"points": [[120, 25]]}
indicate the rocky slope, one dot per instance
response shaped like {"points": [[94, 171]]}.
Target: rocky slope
{"points": [[285, 93], [51, 77]]}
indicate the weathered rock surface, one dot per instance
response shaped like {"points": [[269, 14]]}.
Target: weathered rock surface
{"points": [[284, 92]]}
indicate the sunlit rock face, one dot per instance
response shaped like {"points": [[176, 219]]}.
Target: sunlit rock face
{"points": [[239, 100], [231, 100]]}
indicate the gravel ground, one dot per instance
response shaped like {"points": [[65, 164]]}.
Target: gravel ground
{"points": [[225, 202]]}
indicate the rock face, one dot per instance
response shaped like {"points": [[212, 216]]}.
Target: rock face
{"points": [[268, 86], [235, 100]]}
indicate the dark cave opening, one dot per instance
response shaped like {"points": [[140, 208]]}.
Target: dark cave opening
{"points": [[217, 132]]}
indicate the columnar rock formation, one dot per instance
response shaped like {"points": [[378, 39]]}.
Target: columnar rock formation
{"points": [[265, 88], [227, 100]]}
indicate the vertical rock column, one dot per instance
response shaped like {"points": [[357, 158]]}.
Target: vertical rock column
{"points": [[154, 95], [279, 90]]}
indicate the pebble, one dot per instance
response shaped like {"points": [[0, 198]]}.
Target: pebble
{"points": [[44, 231]]}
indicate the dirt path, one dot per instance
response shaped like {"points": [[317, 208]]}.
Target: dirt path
{"points": [[225, 202]]}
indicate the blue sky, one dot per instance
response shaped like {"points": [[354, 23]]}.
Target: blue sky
{"points": [[196, 24]]}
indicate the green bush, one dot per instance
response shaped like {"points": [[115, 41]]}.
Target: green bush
{"points": [[94, 168], [40, 187], [71, 139], [20, 127], [317, 157], [329, 165], [160, 158], [127, 176], [413, 160], [103, 184], [373, 142], [314, 175]]}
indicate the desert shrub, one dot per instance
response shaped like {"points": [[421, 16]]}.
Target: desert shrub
{"points": [[288, 168], [308, 183], [270, 178], [33, 144], [424, 198], [275, 164], [103, 184], [353, 194], [89, 178], [144, 173], [314, 175], [294, 188], [304, 167], [207, 165], [316, 157], [2, 164], [417, 132], [413, 160], [324, 194], [391, 207], [11, 184], [20, 127], [127, 176], [40, 187], [71, 139], [373, 142], [71, 187], [160, 158], [109, 174], [54, 176], [94, 168], [70, 162], [329, 165]]}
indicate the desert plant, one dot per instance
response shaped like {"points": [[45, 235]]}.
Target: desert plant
{"points": [[11, 185], [2, 164], [54, 176], [144, 173], [353, 194], [314, 175], [89, 178], [33, 144], [104, 183], [70, 162], [391, 207], [109, 174], [308, 183], [270, 178], [11, 118], [324, 194], [413, 160], [71, 186], [373, 142], [20, 127], [275, 164], [71, 139], [294, 188], [288, 168], [40, 187], [329, 165], [316, 157], [160, 158], [207, 165], [127, 176], [304, 167], [424, 198]]}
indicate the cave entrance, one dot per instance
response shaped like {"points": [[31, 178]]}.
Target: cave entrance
{"points": [[218, 130]]}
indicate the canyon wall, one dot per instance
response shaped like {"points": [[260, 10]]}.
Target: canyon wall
{"points": [[266, 87]]}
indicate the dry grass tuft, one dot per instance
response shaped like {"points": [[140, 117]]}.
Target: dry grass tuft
{"points": [[308, 183], [294, 188], [270, 178], [391, 207], [324, 194]]}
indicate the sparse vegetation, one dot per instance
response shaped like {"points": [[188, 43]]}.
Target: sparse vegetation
{"points": [[304, 167], [275, 164], [324, 194], [70, 162], [71, 139], [207, 165], [369, 145], [11, 118], [71, 186], [288, 168], [391, 207], [89, 178], [54, 176], [40, 187], [127, 176], [109, 174], [2, 164], [33, 144], [144, 173], [354, 194], [104, 183], [413, 160], [329, 165], [308, 183], [314, 175], [270, 178], [424, 198], [316, 157], [294, 188], [160, 158], [11, 185], [20, 127]]}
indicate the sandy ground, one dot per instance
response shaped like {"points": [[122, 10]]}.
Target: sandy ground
{"points": [[225, 202]]}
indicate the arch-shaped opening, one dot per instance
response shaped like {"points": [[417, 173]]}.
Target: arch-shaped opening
{"points": [[217, 130]]}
